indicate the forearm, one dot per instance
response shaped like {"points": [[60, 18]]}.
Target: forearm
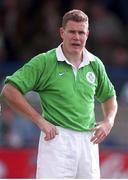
{"points": [[104, 127], [110, 109], [18, 102]]}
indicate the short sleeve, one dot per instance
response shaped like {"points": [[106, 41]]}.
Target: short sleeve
{"points": [[105, 88], [27, 77]]}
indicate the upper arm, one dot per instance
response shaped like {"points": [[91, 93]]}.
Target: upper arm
{"points": [[9, 90], [105, 89], [27, 78]]}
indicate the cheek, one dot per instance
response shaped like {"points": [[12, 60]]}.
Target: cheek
{"points": [[84, 39], [67, 38]]}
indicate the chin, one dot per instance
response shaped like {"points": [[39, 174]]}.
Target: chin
{"points": [[76, 50]]}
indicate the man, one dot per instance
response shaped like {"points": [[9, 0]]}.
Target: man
{"points": [[68, 79]]}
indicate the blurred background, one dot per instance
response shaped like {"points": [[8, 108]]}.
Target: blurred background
{"points": [[29, 27]]}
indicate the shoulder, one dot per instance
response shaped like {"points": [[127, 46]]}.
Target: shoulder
{"points": [[94, 59], [42, 59], [96, 63], [45, 56]]}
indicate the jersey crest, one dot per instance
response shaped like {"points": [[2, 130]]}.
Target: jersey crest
{"points": [[90, 76]]}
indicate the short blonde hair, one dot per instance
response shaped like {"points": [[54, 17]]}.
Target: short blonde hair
{"points": [[74, 15]]}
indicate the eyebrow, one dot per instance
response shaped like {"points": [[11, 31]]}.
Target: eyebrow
{"points": [[73, 31]]}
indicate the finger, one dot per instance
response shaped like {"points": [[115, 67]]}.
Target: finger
{"points": [[98, 123], [56, 131], [50, 135], [53, 133], [93, 138], [47, 137], [99, 139], [95, 128], [97, 135]]}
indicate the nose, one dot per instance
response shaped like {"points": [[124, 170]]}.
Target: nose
{"points": [[76, 36]]}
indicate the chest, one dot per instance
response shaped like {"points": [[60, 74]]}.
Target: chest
{"points": [[68, 81]]}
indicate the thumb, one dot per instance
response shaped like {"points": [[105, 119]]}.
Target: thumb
{"points": [[57, 131], [97, 125]]}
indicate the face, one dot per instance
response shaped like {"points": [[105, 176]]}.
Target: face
{"points": [[74, 37]]}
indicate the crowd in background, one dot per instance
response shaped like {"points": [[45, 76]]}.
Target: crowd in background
{"points": [[29, 27]]}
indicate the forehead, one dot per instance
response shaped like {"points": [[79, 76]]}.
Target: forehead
{"points": [[76, 25]]}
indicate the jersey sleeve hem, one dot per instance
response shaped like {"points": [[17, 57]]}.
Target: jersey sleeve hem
{"points": [[9, 81]]}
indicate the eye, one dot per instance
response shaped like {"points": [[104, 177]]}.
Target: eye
{"points": [[81, 32], [72, 32]]}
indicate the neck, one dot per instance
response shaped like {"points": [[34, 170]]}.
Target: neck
{"points": [[74, 59]]}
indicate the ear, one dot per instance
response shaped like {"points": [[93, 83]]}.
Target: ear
{"points": [[62, 32], [87, 33]]}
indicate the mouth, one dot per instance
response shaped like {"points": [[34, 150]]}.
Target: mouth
{"points": [[75, 44]]}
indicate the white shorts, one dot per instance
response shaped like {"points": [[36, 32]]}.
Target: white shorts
{"points": [[69, 155]]}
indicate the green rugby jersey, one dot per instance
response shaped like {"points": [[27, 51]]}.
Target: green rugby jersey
{"points": [[67, 96]]}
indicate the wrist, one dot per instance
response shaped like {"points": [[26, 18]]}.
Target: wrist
{"points": [[110, 121], [40, 121]]}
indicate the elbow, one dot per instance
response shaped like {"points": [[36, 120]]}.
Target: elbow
{"points": [[10, 92], [4, 92], [7, 92], [115, 103]]}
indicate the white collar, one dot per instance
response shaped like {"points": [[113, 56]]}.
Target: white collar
{"points": [[87, 56]]}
